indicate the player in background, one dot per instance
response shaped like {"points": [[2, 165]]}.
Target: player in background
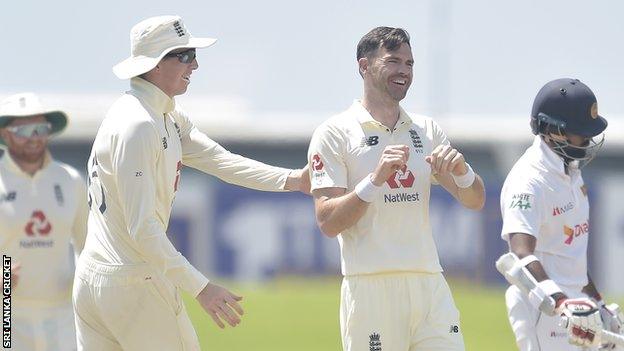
{"points": [[546, 223], [42, 209], [129, 277], [371, 171]]}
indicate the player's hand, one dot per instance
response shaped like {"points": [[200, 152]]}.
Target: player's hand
{"points": [[299, 180], [221, 304], [581, 318], [15, 274], [612, 319], [445, 159], [393, 158]]}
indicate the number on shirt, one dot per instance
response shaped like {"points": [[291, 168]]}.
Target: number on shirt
{"points": [[96, 191]]}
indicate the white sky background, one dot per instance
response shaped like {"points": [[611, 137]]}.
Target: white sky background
{"points": [[472, 56]]}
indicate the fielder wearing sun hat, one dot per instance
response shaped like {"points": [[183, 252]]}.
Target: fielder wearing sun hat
{"points": [[151, 40], [28, 105]]}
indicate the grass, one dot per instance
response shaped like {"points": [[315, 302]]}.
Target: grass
{"points": [[302, 314]]}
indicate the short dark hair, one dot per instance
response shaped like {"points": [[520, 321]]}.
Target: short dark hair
{"points": [[387, 37]]}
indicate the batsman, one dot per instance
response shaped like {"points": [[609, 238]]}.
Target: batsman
{"points": [[552, 303]]}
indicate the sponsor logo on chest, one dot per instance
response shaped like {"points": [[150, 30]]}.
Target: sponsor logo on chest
{"points": [[37, 230], [559, 210], [575, 231], [402, 178]]}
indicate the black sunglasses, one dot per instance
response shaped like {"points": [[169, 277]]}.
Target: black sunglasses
{"points": [[186, 56]]}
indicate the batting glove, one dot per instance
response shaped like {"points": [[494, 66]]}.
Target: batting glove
{"points": [[581, 318]]}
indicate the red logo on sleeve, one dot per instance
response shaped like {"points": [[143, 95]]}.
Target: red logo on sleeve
{"points": [[401, 178], [317, 165], [38, 224]]}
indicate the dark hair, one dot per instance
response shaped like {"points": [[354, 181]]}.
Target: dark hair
{"points": [[387, 37]]}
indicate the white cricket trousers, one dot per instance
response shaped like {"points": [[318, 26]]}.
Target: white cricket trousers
{"points": [[399, 312], [130, 308], [536, 331], [42, 328]]}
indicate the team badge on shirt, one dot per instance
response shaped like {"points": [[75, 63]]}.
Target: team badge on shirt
{"points": [[522, 201], [58, 194], [374, 342], [418, 146]]}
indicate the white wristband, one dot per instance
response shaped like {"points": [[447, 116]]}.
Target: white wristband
{"points": [[366, 190], [549, 287], [527, 259], [466, 180]]}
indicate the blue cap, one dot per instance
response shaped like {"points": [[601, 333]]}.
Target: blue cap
{"points": [[572, 105]]}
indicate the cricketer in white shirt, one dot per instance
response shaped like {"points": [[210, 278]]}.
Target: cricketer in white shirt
{"points": [[545, 214], [393, 294], [540, 199], [39, 216], [129, 276]]}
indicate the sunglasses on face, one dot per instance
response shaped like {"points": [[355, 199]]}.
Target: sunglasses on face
{"points": [[185, 56], [31, 130]]}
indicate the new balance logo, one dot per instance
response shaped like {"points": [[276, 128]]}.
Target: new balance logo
{"points": [[164, 142], [8, 197], [370, 141], [454, 329], [374, 342]]}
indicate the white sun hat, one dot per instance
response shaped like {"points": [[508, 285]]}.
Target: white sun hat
{"points": [[153, 38], [28, 105]]}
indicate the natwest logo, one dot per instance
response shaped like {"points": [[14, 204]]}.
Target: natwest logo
{"points": [[317, 164], [401, 178], [578, 230], [38, 224]]}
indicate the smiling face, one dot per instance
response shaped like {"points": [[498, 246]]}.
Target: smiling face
{"points": [[388, 74], [25, 149], [171, 75]]}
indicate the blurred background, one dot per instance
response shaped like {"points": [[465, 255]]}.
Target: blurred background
{"points": [[279, 69]]}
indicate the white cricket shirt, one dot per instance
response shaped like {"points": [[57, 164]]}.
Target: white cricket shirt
{"points": [[39, 216], [394, 234], [134, 173], [540, 199]]}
